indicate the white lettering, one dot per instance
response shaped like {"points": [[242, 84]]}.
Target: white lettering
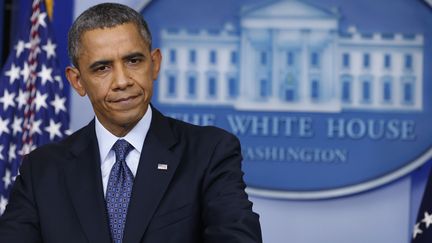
{"points": [[373, 129], [295, 154], [271, 126]]}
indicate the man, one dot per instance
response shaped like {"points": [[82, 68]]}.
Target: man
{"points": [[130, 175]]}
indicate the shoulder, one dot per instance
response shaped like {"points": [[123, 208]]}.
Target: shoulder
{"points": [[200, 133], [61, 149], [170, 129]]}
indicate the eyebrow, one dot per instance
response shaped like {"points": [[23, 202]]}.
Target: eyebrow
{"points": [[107, 62], [133, 55]]}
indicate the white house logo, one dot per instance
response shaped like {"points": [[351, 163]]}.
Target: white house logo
{"points": [[321, 109]]}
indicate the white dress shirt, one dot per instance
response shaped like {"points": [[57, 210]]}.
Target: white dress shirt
{"points": [[106, 141]]}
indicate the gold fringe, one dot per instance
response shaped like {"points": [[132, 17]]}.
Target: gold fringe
{"points": [[50, 7]]}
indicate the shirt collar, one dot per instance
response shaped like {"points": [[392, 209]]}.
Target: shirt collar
{"points": [[135, 137]]}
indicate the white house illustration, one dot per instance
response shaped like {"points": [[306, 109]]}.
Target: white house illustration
{"points": [[289, 55]]}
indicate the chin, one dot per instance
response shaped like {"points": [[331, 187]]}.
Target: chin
{"points": [[128, 120]]}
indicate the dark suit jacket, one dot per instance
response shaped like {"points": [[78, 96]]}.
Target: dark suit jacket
{"points": [[58, 198]]}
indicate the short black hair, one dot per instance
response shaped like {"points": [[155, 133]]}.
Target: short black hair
{"points": [[104, 15]]}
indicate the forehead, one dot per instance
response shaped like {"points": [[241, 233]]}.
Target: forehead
{"points": [[118, 37]]}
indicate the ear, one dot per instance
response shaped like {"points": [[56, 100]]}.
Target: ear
{"points": [[74, 77], [156, 60]]}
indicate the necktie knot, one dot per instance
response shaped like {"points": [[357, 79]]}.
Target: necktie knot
{"points": [[122, 149]]}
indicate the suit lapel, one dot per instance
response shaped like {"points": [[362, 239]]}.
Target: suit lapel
{"points": [[84, 181], [151, 183]]}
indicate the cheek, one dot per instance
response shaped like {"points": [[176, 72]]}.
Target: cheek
{"points": [[148, 87], [144, 82], [97, 90], [95, 98]]}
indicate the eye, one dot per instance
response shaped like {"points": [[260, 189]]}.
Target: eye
{"points": [[134, 60], [101, 68]]}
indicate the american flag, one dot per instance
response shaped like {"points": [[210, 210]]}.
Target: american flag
{"points": [[422, 232], [32, 97]]}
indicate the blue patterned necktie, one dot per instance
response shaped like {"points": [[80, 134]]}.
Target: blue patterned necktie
{"points": [[119, 190]]}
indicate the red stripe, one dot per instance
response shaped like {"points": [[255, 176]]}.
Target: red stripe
{"points": [[31, 89]]}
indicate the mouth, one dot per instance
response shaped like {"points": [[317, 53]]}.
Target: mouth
{"points": [[124, 100]]}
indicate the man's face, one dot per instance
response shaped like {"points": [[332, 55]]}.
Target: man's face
{"points": [[116, 71]]}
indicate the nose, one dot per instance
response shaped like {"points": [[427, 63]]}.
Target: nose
{"points": [[121, 78]]}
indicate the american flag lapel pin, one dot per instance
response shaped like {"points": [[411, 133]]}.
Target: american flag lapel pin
{"points": [[162, 167]]}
